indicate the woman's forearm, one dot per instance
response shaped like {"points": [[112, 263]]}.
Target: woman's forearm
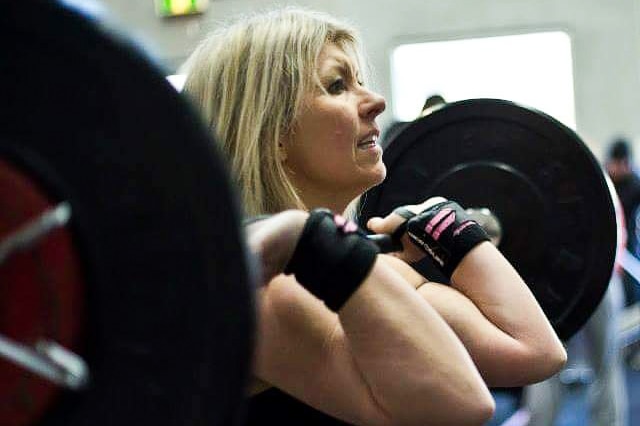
{"points": [[522, 336], [414, 365], [386, 357]]}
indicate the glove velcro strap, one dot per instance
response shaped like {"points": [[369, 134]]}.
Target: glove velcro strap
{"points": [[332, 258], [446, 233], [404, 212], [396, 235]]}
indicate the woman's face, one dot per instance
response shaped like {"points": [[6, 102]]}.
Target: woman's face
{"points": [[332, 151]]}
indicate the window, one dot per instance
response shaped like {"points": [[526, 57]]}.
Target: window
{"points": [[531, 69]]}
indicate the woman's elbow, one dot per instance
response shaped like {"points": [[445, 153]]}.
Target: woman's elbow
{"points": [[453, 401], [474, 409], [474, 405], [544, 361], [552, 359], [524, 365], [481, 409]]}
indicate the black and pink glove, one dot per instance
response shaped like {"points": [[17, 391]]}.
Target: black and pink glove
{"points": [[443, 231], [332, 257]]}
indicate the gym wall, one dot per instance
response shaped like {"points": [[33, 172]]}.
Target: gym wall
{"points": [[605, 39]]}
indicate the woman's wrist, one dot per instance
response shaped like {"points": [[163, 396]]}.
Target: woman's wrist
{"points": [[332, 258]]}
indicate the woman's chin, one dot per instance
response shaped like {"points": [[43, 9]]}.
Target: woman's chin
{"points": [[379, 174], [375, 178]]}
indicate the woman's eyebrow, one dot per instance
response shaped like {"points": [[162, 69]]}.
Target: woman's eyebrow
{"points": [[340, 66]]}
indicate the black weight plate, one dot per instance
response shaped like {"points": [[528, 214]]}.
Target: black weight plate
{"points": [[168, 339], [538, 178]]}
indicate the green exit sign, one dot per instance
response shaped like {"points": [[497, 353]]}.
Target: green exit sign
{"points": [[180, 7]]}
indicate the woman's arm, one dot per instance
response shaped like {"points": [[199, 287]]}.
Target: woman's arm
{"points": [[492, 311], [507, 335], [386, 358], [272, 239]]}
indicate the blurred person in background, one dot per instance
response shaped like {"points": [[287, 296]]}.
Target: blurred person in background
{"points": [[620, 168], [431, 103], [595, 357]]}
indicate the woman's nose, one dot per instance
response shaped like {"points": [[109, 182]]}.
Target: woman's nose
{"points": [[373, 105]]}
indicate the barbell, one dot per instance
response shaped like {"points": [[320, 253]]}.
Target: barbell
{"points": [[134, 304], [530, 180], [126, 291]]}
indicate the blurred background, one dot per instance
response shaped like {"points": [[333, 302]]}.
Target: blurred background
{"points": [[578, 60]]}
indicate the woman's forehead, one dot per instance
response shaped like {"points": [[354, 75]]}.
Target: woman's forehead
{"points": [[335, 57]]}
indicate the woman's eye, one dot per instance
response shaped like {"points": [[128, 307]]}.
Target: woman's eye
{"points": [[337, 86]]}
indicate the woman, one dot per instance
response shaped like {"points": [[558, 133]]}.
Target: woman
{"points": [[284, 94]]}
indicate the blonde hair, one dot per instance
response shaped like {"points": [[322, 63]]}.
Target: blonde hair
{"points": [[248, 79]]}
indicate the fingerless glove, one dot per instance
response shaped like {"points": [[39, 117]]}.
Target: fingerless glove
{"points": [[332, 258], [445, 232]]}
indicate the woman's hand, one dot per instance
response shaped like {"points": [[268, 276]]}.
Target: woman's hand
{"points": [[390, 223], [274, 239], [487, 303]]}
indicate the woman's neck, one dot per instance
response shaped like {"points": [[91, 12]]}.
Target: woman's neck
{"points": [[336, 206], [314, 195], [335, 202]]}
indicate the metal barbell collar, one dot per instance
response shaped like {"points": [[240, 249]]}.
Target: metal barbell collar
{"points": [[46, 358]]}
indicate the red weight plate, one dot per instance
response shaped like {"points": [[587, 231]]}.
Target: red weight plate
{"points": [[41, 296]]}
